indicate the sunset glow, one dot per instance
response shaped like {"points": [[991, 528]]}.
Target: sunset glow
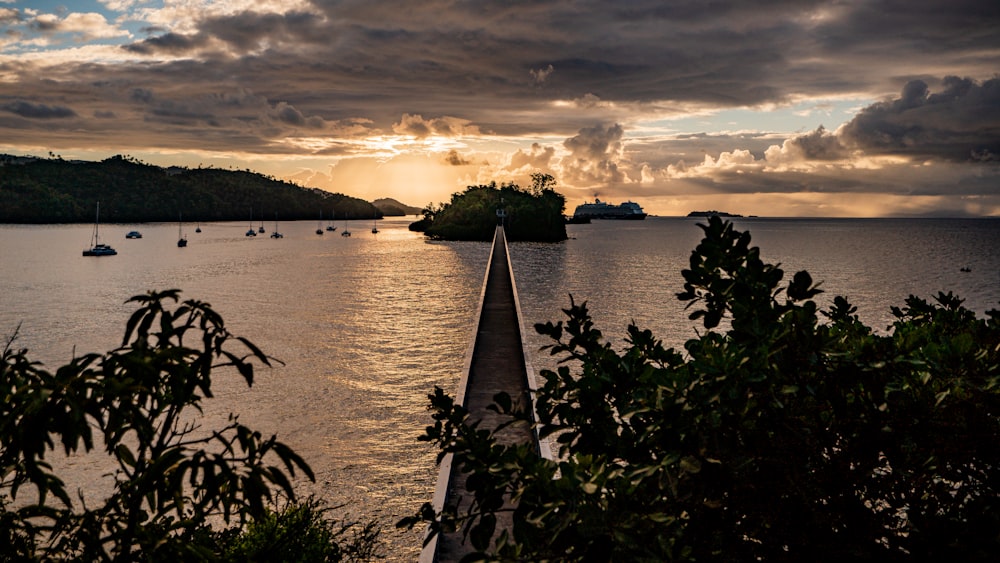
{"points": [[811, 110]]}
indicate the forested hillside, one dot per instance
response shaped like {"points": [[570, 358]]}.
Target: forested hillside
{"points": [[62, 191]]}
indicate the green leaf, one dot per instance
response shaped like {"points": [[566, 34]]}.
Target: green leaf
{"points": [[482, 532]]}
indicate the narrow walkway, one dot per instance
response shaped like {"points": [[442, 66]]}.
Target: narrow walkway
{"points": [[496, 363]]}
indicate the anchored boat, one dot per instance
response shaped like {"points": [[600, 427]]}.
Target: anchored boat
{"points": [[603, 210], [96, 247]]}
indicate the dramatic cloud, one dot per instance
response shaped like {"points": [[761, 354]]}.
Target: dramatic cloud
{"points": [[961, 122], [171, 43], [542, 74], [594, 155], [419, 127], [38, 111], [455, 159], [535, 158], [661, 101]]}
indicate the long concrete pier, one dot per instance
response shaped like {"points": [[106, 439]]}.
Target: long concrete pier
{"points": [[495, 362]]}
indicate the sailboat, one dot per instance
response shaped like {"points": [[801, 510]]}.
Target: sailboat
{"points": [[375, 226], [251, 232], [345, 233], [182, 241], [275, 234], [319, 227], [261, 229], [331, 227], [198, 230], [96, 248]]}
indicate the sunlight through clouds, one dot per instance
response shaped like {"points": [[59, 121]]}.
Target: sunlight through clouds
{"points": [[655, 104]]}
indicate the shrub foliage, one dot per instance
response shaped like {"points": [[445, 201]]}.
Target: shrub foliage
{"points": [[534, 214], [138, 404], [781, 433]]}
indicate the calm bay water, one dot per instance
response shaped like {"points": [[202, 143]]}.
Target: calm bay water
{"points": [[366, 326]]}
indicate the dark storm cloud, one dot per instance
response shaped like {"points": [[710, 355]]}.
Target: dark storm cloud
{"points": [[171, 43], [818, 145], [484, 61], [455, 159], [419, 127], [37, 111], [548, 69], [961, 122], [141, 95], [249, 30]]}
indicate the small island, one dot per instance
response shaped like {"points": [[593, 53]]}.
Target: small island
{"points": [[534, 214], [711, 213]]}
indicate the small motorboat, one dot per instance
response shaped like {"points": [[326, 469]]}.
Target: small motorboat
{"points": [[133, 234]]}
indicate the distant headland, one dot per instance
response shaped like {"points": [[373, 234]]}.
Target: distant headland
{"points": [[39, 190], [711, 213]]}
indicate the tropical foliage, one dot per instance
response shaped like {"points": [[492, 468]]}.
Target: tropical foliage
{"points": [[534, 214], [781, 433], [59, 191], [299, 532], [138, 405]]}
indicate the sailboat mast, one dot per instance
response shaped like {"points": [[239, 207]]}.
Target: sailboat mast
{"points": [[97, 222]]}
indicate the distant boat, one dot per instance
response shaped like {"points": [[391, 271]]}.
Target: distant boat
{"points": [[319, 227], [182, 241], [261, 229], [711, 213], [603, 210], [198, 230], [275, 234], [331, 227], [375, 227], [96, 248], [346, 232], [133, 234], [251, 232]]}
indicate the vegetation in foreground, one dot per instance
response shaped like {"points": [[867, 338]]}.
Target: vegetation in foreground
{"points": [[534, 214], [137, 404], [781, 433], [59, 191]]}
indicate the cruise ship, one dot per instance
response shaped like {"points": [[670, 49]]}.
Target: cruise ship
{"points": [[603, 210]]}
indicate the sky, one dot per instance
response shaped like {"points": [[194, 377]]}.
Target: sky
{"points": [[784, 108]]}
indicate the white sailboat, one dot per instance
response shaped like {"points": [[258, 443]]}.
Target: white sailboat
{"points": [[251, 232], [96, 248], [331, 227], [275, 233], [182, 241]]}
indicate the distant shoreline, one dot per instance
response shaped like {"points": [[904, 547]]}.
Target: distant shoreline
{"points": [[712, 213]]}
